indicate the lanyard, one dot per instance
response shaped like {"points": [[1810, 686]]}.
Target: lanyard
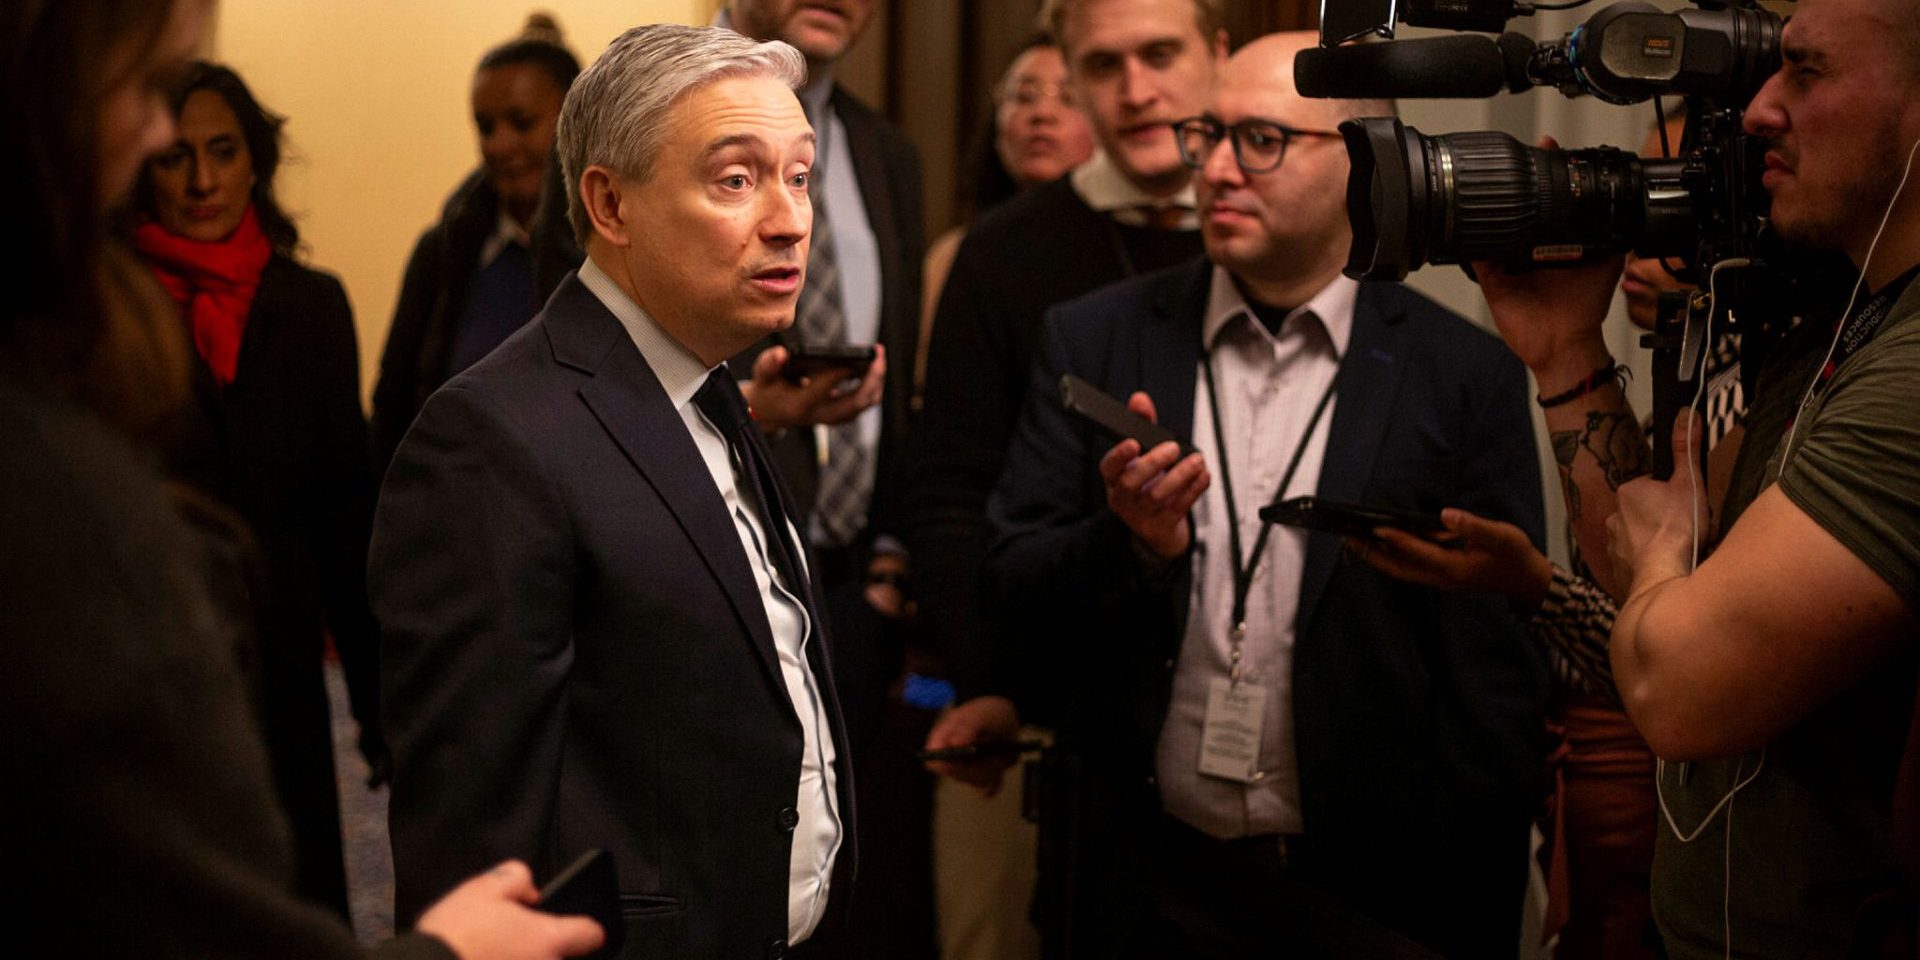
{"points": [[1243, 571], [1854, 332]]}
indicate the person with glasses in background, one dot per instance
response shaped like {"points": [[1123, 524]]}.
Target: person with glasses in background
{"points": [[1290, 753]]}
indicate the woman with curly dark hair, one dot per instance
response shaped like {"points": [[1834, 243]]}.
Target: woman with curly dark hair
{"points": [[274, 433]]}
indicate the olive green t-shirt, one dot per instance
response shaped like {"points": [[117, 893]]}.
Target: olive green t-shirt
{"points": [[1784, 868]]}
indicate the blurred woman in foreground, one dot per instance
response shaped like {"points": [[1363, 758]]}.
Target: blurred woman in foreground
{"points": [[141, 816]]}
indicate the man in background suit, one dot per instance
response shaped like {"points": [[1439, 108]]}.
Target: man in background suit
{"points": [[1387, 775], [863, 287], [600, 625]]}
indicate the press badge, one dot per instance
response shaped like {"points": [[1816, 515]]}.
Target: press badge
{"points": [[1230, 734]]}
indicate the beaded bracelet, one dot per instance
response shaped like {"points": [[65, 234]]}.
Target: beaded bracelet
{"points": [[1609, 372]]}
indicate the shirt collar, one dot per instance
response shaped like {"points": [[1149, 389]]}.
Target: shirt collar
{"points": [[679, 371], [1333, 305], [1105, 188], [505, 233]]}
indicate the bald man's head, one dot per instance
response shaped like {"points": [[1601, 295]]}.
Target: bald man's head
{"points": [[1281, 227]]}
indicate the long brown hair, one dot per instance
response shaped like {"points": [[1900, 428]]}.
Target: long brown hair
{"points": [[81, 318]]}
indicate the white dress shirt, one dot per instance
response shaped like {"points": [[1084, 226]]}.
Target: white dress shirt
{"points": [[1102, 186], [816, 840], [1269, 385]]}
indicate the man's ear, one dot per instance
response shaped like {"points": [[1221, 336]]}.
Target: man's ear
{"points": [[601, 192], [1222, 48]]}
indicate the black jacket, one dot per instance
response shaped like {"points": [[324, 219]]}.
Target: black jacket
{"points": [[433, 298], [284, 446], [1417, 713], [576, 653]]}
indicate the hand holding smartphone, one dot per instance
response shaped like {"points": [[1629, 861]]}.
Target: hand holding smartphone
{"points": [[812, 361], [1349, 519], [588, 887], [1110, 414]]}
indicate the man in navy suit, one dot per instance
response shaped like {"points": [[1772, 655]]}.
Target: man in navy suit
{"points": [[600, 624], [1282, 751]]}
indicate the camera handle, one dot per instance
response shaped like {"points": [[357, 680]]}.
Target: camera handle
{"points": [[1677, 342]]}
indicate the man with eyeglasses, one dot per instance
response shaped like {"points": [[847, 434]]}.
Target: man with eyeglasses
{"points": [[1293, 755]]}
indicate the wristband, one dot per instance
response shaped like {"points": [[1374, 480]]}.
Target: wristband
{"points": [[1609, 372]]}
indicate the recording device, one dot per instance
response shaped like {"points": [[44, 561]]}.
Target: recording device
{"points": [[805, 361], [588, 887], [1348, 519], [1414, 199], [1109, 414]]}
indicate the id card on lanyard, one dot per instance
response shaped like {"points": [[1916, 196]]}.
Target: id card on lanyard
{"points": [[1231, 731]]}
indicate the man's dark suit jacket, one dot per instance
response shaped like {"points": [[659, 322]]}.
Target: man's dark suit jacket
{"points": [[576, 652], [1417, 713]]}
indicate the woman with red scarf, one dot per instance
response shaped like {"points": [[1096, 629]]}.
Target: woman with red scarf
{"points": [[276, 435]]}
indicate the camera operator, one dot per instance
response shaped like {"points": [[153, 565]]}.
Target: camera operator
{"points": [[1784, 665]]}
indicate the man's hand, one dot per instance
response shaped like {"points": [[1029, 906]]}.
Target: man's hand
{"points": [[1152, 491], [1652, 535], [488, 918], [886, 575], [1551, 319], [1475, 555], [988, 719], [823, 400]]}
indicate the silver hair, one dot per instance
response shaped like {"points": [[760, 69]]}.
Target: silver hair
{"points": [[616, 113]]}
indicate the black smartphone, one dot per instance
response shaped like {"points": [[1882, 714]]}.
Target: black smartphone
{"points": [[588, 887], [1107, 412], [804, 361], [977, 751], [1348, 519]]}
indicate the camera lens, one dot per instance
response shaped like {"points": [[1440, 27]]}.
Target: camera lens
{"points": [[1414, 199]]}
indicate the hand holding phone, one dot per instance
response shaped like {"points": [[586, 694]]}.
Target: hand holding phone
{"points": [[1107, 412], [588, 887], [812, 361], [1349, 519]]}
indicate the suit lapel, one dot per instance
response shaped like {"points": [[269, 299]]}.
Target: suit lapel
{"points": [[1170, 347], [1369, 378], [627, 399], [1170, 353]]}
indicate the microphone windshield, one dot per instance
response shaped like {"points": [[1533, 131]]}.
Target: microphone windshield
{"points": [[1466, 65]]}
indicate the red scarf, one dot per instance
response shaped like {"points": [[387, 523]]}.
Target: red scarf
{"points": [[213, 283]]}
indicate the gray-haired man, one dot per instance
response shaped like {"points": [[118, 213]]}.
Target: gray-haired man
{"points": [[600, 630]]}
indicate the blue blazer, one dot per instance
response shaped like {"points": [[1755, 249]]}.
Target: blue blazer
{"points": [[1418, 713], [576, 651]]}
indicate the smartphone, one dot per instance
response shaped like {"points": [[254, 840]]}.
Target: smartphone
{"points": [[588, 887], [1107, 412], [1348, 519], [977, 751], [804, 361]]}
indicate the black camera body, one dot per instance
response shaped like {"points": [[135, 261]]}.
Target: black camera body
{"points": [[1414, 199]]}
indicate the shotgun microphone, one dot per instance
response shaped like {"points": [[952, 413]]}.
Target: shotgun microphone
{"points": [[1463, 66]]}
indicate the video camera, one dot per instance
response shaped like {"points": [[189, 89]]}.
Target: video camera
{"points": [[1414, 199]]}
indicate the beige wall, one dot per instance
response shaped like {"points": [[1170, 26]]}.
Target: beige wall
{"points": [[379, 130]]}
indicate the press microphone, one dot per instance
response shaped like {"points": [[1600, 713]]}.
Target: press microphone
{"points": [[1463, 66]]}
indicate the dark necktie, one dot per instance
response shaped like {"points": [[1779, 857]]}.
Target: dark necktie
{"points": [[719, 398], [846, 477]]}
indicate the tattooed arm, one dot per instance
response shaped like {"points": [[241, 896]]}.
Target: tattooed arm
{"points": [[1552, 320]]}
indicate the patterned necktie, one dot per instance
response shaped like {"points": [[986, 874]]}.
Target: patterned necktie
{"points": [[846, 466]]}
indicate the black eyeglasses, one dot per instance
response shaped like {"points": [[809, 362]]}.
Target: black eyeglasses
{"points": [[1258, 145]]}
